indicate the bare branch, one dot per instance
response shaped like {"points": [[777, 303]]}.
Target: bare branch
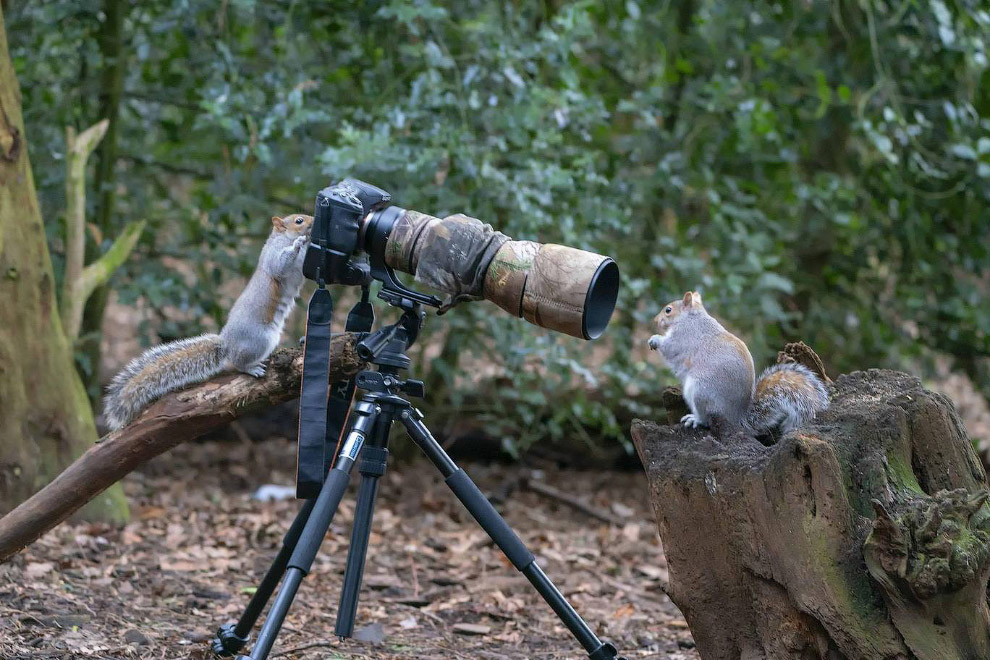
{"points": [[97, 273], [78, 149]]}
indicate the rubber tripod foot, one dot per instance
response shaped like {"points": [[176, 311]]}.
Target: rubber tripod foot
{"points": [[227, 643]]}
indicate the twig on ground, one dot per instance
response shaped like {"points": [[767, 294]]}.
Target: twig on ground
{"points": [[549, 491], [328, 643]]}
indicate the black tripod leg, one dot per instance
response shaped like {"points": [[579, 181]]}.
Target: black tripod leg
{"points": [[316, 528], [373, 462], [231, 638], [506, 539]]}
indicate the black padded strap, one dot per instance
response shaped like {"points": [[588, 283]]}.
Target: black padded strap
{"points": [[313, 396]]}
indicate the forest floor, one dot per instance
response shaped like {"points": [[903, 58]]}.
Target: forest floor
{"points": [[435, 586]]}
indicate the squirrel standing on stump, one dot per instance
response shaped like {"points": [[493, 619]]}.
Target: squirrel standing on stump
{"points": [[717, 375], [253, 329]]}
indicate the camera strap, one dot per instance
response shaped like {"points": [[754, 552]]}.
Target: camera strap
{"points": [[313, 395], [360, 319]]}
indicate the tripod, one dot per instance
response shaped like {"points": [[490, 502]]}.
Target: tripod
{"points": [[370, 421]]}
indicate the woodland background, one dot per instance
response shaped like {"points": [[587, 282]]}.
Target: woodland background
{"points": [[819, 170]]}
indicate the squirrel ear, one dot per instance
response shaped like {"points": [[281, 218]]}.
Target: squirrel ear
{"points": [[697, 299], [277, 223], [687, 299]]}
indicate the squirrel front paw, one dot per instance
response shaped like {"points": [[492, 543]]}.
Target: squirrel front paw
{"points": [[299, 243], [692, 421], [655, 343], [257, 371]]}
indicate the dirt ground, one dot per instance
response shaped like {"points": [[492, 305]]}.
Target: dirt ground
{"points": [[434, 584]]}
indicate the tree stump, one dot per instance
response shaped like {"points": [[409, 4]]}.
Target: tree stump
{"points": [[864, 535]]}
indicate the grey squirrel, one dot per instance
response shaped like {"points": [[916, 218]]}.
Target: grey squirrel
{"points": [[717, 375], [253, 329]]}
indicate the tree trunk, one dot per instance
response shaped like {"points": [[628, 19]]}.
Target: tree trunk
{"points": [[864, 535], [112, 68], [45, 418]]}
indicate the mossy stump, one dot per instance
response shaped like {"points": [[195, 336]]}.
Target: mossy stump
{"points": [[864, 535]]}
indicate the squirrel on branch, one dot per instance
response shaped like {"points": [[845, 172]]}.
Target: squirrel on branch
{"points": [[718, 379], [252, 331]]}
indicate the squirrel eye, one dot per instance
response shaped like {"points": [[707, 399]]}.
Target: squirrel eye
{"points": [[299, 221], [668, 310]]}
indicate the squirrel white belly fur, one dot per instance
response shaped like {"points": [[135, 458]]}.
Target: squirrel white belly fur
{"points": [[253, 329], [717, 374]]}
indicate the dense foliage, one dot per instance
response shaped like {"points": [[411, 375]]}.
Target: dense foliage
{"points": [[818, 170]]}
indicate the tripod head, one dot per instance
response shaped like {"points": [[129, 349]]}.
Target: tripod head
{"points": [[386, 347]]}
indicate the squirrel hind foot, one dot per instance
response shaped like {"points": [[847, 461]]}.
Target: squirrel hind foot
{"points": [[692, 421], [257, 370]]}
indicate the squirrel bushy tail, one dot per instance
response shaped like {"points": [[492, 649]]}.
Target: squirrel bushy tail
{"points": [[786, 396], [159, 370]]}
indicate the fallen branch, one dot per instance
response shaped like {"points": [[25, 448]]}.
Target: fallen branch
{"points": [[172, 420]]}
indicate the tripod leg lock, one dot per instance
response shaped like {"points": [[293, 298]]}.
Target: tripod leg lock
{"points": [[227, 642], [605, 652]]}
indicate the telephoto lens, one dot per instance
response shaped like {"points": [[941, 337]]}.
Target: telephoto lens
{"points": [[552, 286]]}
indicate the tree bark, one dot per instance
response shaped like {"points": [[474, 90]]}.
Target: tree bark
{"points": [[173, 419], [45, 417], [863, 535]]}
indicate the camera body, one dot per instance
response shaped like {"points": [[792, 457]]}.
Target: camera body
{"points": [[351, 217], [337, 219]]}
